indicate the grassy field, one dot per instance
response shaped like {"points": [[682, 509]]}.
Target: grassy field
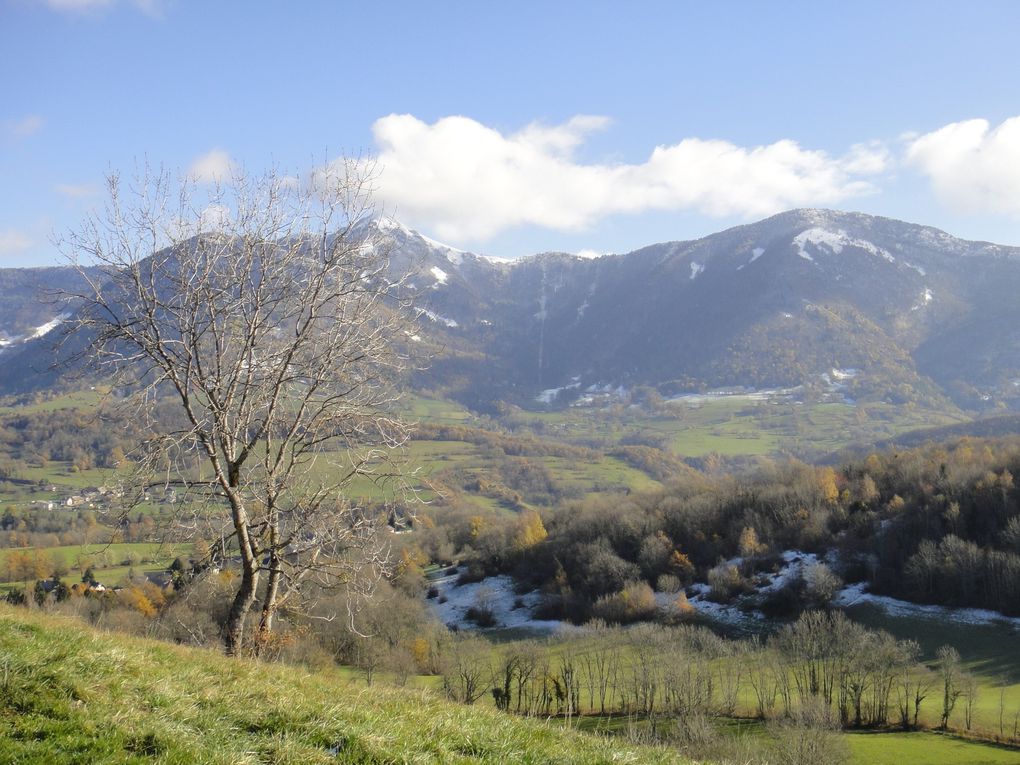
{"points": [[924, 749], [151, 556], [74, 695], [83, 399], [735, 426]]}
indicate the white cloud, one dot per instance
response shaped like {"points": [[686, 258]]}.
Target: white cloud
{"points": [[214, 217], [24, 127], [869, 158], [973, 167], [212, 167], [77, 191], [152, 8], [13, 241], [468, 181], [78, 6]]}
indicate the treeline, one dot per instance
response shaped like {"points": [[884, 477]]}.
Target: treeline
{"points": [[65, 435], [32, 527], [862, 678], [507, 444]]}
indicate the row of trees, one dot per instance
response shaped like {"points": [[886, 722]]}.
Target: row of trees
{"points": [[864, 678]]}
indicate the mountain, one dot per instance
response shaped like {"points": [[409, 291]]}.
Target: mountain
{"points": [[874, 307], [831, 303], [31, 300]]}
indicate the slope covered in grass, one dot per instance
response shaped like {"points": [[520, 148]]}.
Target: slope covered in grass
{"points": [[69, 694]]}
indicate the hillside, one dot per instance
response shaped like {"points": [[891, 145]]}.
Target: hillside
{"points": [[71, 694]]}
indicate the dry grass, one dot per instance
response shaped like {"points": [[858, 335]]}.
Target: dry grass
{"points": [[69, 694]]}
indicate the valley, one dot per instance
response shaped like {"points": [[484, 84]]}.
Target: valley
{"points": [[654, 478]]}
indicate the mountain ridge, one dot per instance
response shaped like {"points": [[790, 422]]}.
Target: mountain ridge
{"points": [[916, 313]]}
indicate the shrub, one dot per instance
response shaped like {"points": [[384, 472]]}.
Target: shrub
{"points": [[668, 583], [483, 617], [635, 602], [726, 583]]}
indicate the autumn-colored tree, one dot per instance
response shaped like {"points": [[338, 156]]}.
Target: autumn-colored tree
{"points": [[529, 531], [749, 546]]}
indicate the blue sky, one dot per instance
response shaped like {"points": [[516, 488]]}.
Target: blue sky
{"points": [[519, 127]]}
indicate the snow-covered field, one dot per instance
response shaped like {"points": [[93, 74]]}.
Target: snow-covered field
{"points": [[495, 593], [856, 594], [734, 394]]}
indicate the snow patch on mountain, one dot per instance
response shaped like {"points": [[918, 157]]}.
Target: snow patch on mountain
{"points": [[835, 242], [734, 394], [48, 327], [696, 268], [926, 298], [440, 274], [437, 318], [549, 394]]}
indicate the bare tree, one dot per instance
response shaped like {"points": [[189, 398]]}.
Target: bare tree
{"points": [[948, 663], [259, 330]]}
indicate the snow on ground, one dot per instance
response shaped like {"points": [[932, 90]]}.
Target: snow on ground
{"points": [[599, 393], [440, 274], [719, 612], [549, 394], [835, 242], [453, 255], [514, 611], [856, 594], [926, 298], [756, 253], [734, 394], [498, 261], [437, 318], [696, 268], [49, 326], [919, 270], [835, 379], [495, 593], [796, 562]]}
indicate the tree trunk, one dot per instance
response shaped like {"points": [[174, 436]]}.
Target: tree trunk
{"points": [[233, 631], [250, 565], [269, 603]]}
